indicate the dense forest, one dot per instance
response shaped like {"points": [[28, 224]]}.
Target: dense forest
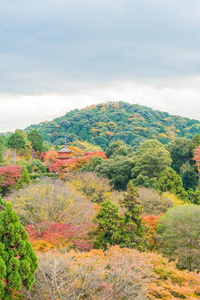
{"points": [[118, 217], [105, 123]]}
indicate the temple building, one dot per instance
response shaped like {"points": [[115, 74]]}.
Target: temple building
{"points": [[64, 153]]}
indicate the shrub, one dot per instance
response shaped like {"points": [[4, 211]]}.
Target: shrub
{"points": [[156, 204], [179, 232]]}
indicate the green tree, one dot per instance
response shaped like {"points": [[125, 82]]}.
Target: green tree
{"points": [[16, 141], [180, 152], [86, 146], [189, 176], [25, 151], [194, 196], [36, 140], [117, 170], [21, 132], [36, 166], [18, 262], [195, 142], [117, 148], [125, 230], [133, 227], [108, 220], [1, 156], [179, 231], [91, 164], [2, 142], [170, 181], [2, 147], [46, 146], [150, 159], [24, 178]]}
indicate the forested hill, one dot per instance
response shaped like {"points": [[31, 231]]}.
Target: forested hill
{"points": [[100, 124]]}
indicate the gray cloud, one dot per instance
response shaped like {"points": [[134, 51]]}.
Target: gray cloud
{"points": [[47, 45], [57, 55]]}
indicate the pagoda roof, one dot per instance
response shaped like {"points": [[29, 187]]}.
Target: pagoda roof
{"points": [[65, 150]]}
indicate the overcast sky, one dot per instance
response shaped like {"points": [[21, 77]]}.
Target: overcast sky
{"points": [[57, 55]]}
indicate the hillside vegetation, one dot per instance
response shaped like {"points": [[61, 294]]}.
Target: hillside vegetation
{"points": [[117, 224], [104, 123]]}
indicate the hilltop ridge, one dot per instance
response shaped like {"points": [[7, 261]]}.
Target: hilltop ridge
{"points": [[105, 122]]}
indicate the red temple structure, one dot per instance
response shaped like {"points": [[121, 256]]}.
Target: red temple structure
{"points": [[64, 153]]}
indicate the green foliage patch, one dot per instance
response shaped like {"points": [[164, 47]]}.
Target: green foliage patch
{"points": [[105, 123], [18, 262]]}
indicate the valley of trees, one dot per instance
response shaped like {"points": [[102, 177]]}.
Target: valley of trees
{"points": [[118, 219]]}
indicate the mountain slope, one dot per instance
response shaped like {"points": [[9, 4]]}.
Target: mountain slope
{"points": [[100, 124]]}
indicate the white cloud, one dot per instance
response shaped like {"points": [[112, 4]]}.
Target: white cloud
{"points": [[20, 111]]}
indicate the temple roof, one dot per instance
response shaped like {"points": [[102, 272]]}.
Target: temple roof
{"points": [[65, 150]]}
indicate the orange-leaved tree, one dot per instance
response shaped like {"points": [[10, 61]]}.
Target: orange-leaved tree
{"points": [[50, 157], [151, 222], [118, 273], [197, 160]]}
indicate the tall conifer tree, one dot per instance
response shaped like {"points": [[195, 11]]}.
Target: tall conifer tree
{"points": [[133, 226], [18, 262]]}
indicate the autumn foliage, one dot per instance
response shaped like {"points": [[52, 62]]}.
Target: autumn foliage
{"points": [[59, 217], [74, 163], [60, 236], [50, 157], [118, 273], [197, 160], [151, 223], [9, 176], [197, 156]]}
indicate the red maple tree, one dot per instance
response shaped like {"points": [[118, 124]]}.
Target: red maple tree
{"points": [[9, 176], [74, 163]]}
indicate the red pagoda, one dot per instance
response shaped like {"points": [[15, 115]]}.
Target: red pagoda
{"points": [[64, 153]]}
